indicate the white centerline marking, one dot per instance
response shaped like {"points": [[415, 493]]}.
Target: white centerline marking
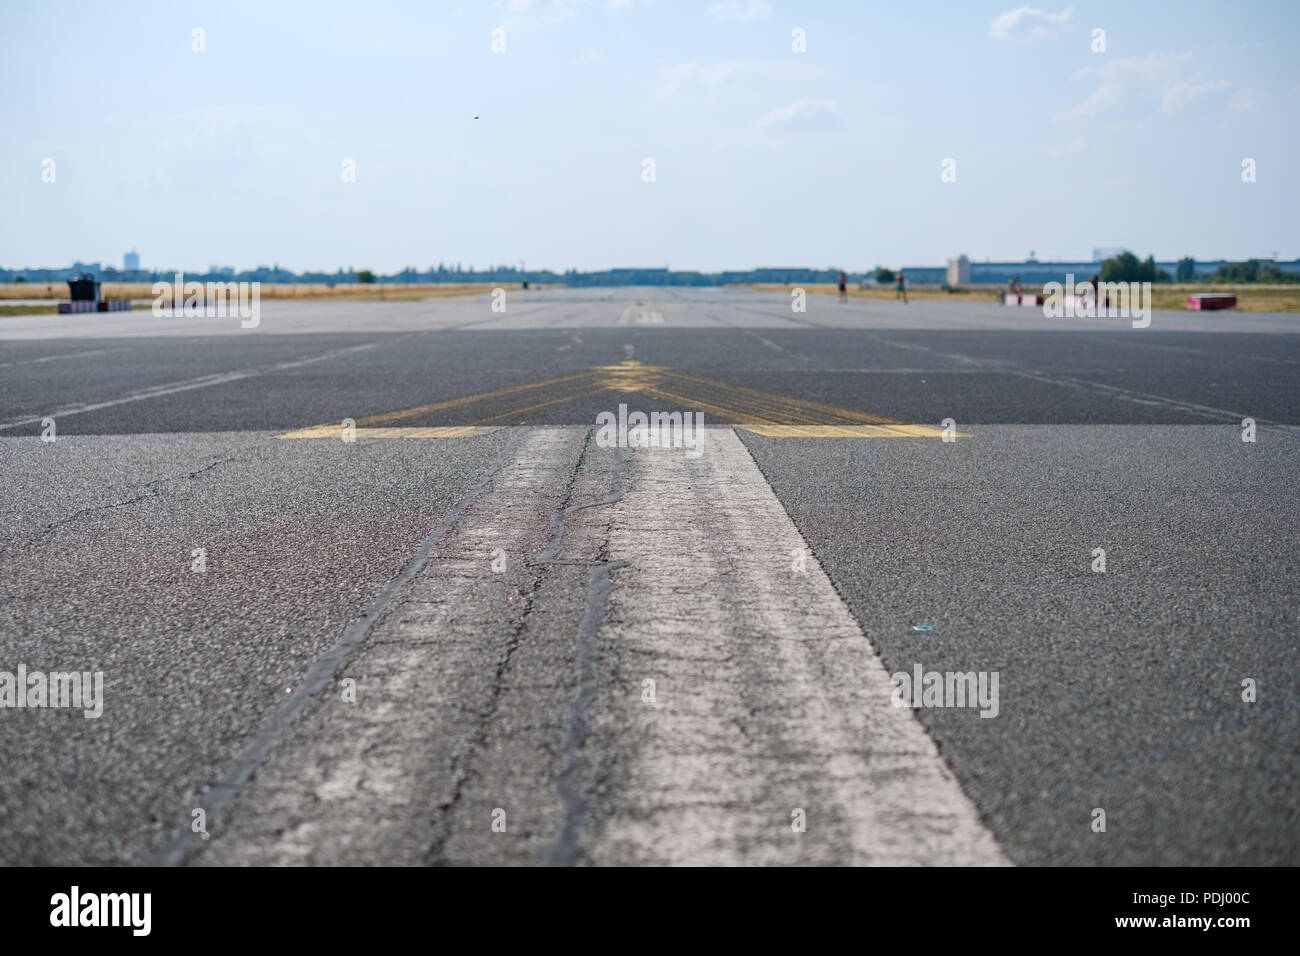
{"points": [[59, 358], [171, 388], [769, 695]]}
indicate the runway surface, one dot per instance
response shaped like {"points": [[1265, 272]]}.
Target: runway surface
{"points": [[441, 619]]}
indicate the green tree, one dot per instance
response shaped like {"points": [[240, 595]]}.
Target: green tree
{"points": [[365, 276], [1185, 270], [1247, 271], [1127, 267], [1252, 270], [884, 275]]}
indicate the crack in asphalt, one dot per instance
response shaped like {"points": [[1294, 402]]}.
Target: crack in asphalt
{"points": [[567, 843], [463, 761], [218, 797], [152, 490]]}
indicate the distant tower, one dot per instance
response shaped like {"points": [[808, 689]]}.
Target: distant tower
{"points": [[131, 261], [959, 271]]}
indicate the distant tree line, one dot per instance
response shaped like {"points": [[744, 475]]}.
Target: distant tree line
{"points": [[1252, 270], [458, 274], [1126, 267]]}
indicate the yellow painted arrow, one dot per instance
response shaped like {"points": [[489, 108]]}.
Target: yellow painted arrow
{"points": [[763, 413]]}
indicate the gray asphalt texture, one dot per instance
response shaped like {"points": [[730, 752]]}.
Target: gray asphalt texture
{"points": [[1119, 690], [96, 569]]}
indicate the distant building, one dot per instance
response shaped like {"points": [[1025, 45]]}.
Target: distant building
{"points": [[131, 262], [924, 275], [1031, 272], [959, 271]]}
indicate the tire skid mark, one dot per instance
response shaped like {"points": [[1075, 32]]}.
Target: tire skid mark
{"points": [[566, 846], [178, 848]]}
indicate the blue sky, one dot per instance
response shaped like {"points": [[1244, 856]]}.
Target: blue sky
{"points": [[763, 156]]}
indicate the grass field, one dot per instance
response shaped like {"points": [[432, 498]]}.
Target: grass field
{"points": [[1250, 298], [377, 291]]}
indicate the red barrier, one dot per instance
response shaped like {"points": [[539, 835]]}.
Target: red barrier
{"points": [[1206, 301]]}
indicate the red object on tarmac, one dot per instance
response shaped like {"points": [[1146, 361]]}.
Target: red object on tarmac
{"points": [[1205, 301]]}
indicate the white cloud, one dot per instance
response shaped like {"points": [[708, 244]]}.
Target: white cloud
{"points": [[1157, 78], [1181, 92], [1246, 99], [683, 77], [742, 10], [1105, 96], [540, 11], [544, 12], [803, 115], [1073, 147], [1029, 23]]}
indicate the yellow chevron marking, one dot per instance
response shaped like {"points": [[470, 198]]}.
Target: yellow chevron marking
{"points": [[763, 413]]}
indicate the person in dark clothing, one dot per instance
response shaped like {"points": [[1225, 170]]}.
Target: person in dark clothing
{"points": [[1095, 282]]}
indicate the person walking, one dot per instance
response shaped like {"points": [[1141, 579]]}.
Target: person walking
{"points": [[844, 287], [902, 288], [1098, 299]]}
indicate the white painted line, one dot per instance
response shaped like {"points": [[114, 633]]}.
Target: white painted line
{"points": [[60, 358], [769, 696], [171, 388], [1112, 391]]}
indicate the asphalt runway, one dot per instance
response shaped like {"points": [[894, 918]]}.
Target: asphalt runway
{"points": [[431, 645]]}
